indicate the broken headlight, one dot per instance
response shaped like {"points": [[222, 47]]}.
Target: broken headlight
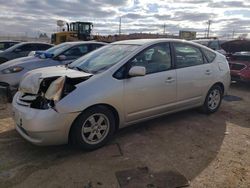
{"points": [[54, 92]]}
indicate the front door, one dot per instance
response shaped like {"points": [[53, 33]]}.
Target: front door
{"points": [[153, 93]]}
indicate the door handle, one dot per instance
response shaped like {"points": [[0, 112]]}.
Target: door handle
{"points": [[208, 72], [169, 80]]}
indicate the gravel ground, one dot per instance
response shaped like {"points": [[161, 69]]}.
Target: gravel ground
{"points": [[209, 151]]}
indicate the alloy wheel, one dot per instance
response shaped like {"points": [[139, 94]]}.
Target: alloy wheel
{"points": [[95, 128], [214, 99]]}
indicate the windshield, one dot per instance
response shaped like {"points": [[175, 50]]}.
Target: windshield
{"points": [[58, 49], [102, 59]]}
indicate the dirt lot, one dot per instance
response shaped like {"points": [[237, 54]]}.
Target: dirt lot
{"points": [[209, 151]]}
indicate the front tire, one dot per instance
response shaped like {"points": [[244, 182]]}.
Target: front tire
{"points": [[213, 100], [93, 128]]}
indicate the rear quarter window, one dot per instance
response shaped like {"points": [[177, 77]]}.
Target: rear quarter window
{"points": [[210, 56]]}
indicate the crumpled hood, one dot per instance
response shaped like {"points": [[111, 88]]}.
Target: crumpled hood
{"points": [[32, 80], [23, 61]]}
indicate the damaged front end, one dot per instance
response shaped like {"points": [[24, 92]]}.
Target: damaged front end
{"points": [[44, 93]]}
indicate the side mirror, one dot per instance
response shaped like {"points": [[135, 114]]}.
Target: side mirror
{"points": [[137, 71], [61, 57]]}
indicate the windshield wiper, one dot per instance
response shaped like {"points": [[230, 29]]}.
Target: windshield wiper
{"points": [[82, 69]]}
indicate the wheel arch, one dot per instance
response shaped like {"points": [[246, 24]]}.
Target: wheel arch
{"points": [[221, 85], [111, 108]]}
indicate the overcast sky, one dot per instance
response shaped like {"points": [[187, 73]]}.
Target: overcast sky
{"points": [[30, 17]]}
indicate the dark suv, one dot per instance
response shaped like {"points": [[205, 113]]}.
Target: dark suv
{"points": [[22, 49]]}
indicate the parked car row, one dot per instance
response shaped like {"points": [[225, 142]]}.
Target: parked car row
{"points": [[22, 49], [238, 54], [12, 71], [85, 102], [4, 45]]}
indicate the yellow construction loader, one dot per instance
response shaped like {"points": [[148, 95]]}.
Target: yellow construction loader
{"points": [[75, 31]]}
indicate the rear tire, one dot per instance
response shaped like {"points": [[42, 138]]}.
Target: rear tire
{"points": [[93, 128], [213, 100]]}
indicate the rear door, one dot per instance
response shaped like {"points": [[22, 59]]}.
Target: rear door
{"points": [[194, 74], [151, 94]]}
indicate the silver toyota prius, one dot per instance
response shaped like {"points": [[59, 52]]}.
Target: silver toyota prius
{"points": [[115, 86]]}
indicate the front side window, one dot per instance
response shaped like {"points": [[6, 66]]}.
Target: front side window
{"points": [[58, 49], [187, 55], [95, 46], [76, 51], [156, 58]]}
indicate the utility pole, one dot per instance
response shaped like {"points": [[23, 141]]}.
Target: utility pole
{"points": [[233, 34], [164, 28], [208, 28], [120, 26]]}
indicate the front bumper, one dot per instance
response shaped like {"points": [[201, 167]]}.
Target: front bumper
{"points": [[42, 127]]}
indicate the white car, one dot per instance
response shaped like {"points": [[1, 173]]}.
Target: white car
{"points": [[115, 86]]}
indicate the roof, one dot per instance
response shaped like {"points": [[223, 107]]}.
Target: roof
{"points": [[150, 41], [9, 41], [85, 42], [35, 42]]}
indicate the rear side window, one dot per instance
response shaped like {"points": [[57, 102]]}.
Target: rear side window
{"points": [[27, 47], [187, 55], [95, 46], [210, 56], [42, 46]]}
